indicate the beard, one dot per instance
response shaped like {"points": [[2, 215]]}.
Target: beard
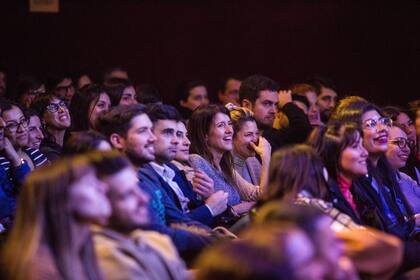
{"points": [[136, 158]]}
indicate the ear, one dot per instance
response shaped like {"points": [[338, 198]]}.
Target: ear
{"points": [[117, 141], [247, 104], [182, 103]]}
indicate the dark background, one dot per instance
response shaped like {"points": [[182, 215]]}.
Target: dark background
{"points": [[369, 48]]}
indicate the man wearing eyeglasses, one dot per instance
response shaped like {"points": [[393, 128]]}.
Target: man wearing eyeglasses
{"points": [[62, 86]]}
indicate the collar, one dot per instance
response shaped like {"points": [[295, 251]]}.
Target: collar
{"points": [[163, 170]]}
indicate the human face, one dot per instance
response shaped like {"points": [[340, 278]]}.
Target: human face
{"points": [[375, 139], [220, 134], [327, 100], [265, 108], [408, 125], [183, 148], [139, 142], [35, 132], [166, 140], [84, 80], [128, 202], [88, 200], [352, 161], [128, 96], [59, 119], [313, 111], [397, 156], [16, 127], [242, 140], [231, 93], [65, 90], [196, 98], [98, 107], [30, 95]]}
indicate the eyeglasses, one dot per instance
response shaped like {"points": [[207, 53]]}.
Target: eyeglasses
{"points": [[371, 123], [54, 107], [402, 142], [13, 126]]}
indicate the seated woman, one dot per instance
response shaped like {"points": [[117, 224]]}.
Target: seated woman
{"points": [[86, 106], [397, 155], [211, 133], [246, 144], [120, 92], [341, 150], [56, 208], [56, 119]]}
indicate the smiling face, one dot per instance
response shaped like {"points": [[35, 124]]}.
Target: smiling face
{"points": [[352, 161], [35, 132], [247, 133], [98, 107], [219, 138], [375, 137], [88, 201], [397, 156], [183, 148], [408, 125], [57, 115], [129, 203], [265, 108], [16, 127], [166, 140]]}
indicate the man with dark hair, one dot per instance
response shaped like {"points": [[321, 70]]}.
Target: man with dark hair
{"points": [[129, 130], [228, 91], [327, 96], [168, 177], [191, 94], [260, 95], [62, 86]]}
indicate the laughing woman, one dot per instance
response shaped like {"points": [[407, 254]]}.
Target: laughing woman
{"points": [[211, 133]]}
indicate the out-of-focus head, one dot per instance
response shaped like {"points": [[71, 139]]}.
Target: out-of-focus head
{"points": [[292, 170], [85, 141], [309, 92], [327, 95], [228, 91], [3, 82], [118, 72], [27, 89], [260, 95], [402, 118], [148, 94], [193, 94], [120, 92], [415, 109], [83, 80]]}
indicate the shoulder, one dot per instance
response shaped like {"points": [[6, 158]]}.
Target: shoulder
{"points": [[36, 156], [198, 161]]}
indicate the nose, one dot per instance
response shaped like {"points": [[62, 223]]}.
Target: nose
{"points": [[152, 137], [364, 152], [186, 141], [39, 134], [142, 197], [228, 129]]}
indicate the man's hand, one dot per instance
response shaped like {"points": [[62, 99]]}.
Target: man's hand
{"points": [[217, 202], [203, 184], [285, 96]]}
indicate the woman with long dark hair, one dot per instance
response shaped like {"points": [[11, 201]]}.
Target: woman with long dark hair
{"points": [[51, 237]]}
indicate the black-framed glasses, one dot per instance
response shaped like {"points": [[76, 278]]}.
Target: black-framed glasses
{"points": [[372, 123], [12, 126], [54, 107], [402, 142]]}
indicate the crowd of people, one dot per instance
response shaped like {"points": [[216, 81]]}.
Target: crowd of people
{"points": [[107, 181]]}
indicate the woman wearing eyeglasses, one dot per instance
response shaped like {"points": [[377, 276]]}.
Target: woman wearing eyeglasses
{"points": [[397, 154], [377, 196], [56, 120]]}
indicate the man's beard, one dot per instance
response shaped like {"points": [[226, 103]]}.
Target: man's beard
{"points": [[135, 159]]}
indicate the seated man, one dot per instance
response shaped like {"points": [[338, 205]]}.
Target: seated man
{"points": [[123, 248], [169, 178]]}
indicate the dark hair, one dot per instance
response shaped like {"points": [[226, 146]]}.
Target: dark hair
{"points": [[158, 112], [146, 94], [319, 82], [252, 86], [53, 79], [185, 87], [25, 85], [393, 112], [198, 129], [80, 107], [292, 170], [40, 103], [109, 163], [82, 142], [302, 89], [264, 254], [111, 69], [330, 141], [115, 88], [222, 83], [6, 105], [30, 113], [118, 119], [239, 116]]}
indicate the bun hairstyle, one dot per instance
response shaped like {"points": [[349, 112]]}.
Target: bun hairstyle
{"points": [[239, 115]]}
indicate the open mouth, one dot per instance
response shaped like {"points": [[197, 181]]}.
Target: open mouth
{"points": [[227, 139], [403, 157], [382, 139]]}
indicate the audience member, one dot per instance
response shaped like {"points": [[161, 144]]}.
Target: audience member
{"points": [[61, 86], [57, 205], [118, 72], [228, 91], [148, 94], [3, 82], [87, 105], [83, 80], [35, 131], [85, 141], [312, 110], [191, 95], [56, 120], [120, 92], [327, 96], [27, 89]]}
